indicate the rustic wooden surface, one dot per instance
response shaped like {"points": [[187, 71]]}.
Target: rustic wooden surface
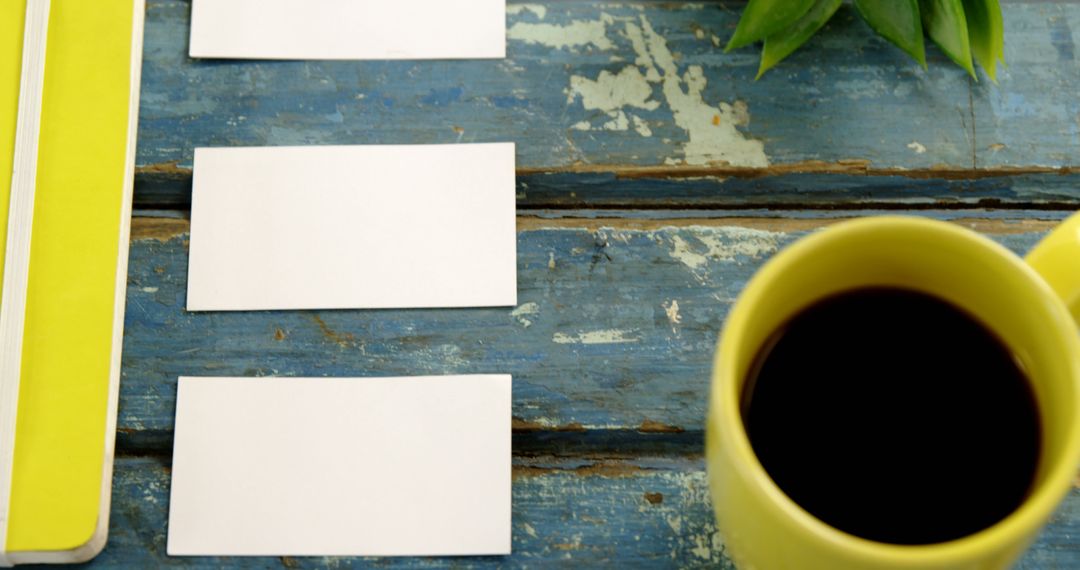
{"points": [[643, 210]]}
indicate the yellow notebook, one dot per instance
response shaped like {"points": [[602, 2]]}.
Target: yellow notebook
{"points": [[69, 83]]}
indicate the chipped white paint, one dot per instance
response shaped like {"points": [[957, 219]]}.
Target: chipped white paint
{"points": [[672, 310], [713, 135], [702, 547], [917, 147], [712, 131], [637, 41], [576, 34], [725, 244], [544, 421], [150, 492], [606, 336], [688, 257], [611, 92], [551, 260], [149, 289], [618, 122], [699, 33], [522, 313], [529, 530], [539, 10], [715, 40], [641, 126], [675, 522], [606, 235], [733, 242]]}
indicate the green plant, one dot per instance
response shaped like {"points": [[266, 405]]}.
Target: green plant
{"points": [[963, 29]]}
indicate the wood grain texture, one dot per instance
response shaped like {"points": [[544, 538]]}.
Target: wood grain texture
{"points": [[669, 188], [527, 96], [591, 91], [642, 513], [610, 345], [1033, 116]]}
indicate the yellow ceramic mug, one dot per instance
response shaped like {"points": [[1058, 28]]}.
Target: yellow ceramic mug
{"points": [[1027, 305]]}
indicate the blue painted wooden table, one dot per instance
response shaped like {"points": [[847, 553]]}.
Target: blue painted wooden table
{"points": [[654, 177]]}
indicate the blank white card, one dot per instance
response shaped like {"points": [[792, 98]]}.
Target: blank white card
{"points": [[348, 29], [353, 227], [341, 466]]}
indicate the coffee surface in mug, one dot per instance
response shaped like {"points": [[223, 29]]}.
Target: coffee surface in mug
{"points": [[894, 416]]}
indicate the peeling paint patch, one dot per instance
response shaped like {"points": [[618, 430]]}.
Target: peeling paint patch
{"points": [[618, 122], [610, 92], [641, 126], [149, 289], [577, 33], [637, 41], [725, 245], [675, 522], [712, 131], [917, 147], [522, 313], [682, 252], [529, 530], [672, 310], [607, 336], [703, 547], [711, 139], [733, 242], [539, 10]]}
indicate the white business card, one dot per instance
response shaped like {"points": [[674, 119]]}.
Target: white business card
{"points": [[348, 29], [353, 227], [341, 466]]}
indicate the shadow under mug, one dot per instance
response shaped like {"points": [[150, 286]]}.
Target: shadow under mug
{"points": [[1030, 306]]}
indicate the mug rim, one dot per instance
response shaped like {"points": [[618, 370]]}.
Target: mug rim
{"points": [[726, 418]]}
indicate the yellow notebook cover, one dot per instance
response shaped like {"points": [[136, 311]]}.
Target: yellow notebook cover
{"points": [[54, 506]]}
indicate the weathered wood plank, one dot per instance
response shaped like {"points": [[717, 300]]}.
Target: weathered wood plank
{"points": [[1033, 116], [613, 335], [646, 512], [670, 187], [673, 84], [859, 187], [835, 123]]}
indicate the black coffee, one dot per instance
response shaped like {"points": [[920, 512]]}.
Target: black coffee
{"points": [[894, 416]]}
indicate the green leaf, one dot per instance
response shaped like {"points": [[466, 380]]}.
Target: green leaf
{"points": [[987, 33], [783, 43], [898, 22], [763, 18], [946, 24]]}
